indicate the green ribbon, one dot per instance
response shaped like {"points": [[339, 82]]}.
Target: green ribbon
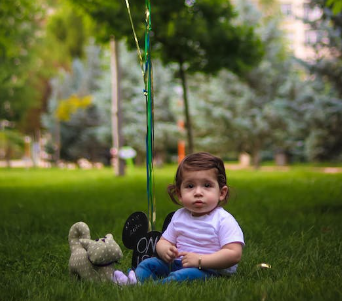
{"points": [[135, 38], [148, 79], [148, 92]]}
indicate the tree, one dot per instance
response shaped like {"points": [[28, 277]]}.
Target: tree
{"points": [[85, 132], [36, 38], [197, 35], [324, 140], [18, 35], [265, 114], [71, 118], [11, 144], [253, 112], [335, 5], [201, 37], [321, 110], [133, 106], [328, 46]]}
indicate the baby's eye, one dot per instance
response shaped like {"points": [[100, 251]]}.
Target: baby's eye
{"points": [[207, 185], [189, 186]]}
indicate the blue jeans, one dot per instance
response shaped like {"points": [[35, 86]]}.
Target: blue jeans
{"points": [[156, 269]]}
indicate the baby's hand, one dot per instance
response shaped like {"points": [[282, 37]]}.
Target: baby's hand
{"points": [[189, 260], [171, 254]]}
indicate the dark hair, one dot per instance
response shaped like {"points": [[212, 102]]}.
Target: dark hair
{"points": [[196, 162]]}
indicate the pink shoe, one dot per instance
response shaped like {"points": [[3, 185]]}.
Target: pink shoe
{"points": [[132, 278], [119, 278]]}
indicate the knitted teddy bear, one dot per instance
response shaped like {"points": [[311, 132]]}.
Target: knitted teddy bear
{"points": [[92, 259]]}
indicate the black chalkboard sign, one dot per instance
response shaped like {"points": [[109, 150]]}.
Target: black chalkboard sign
{"points": [[167, 220], [145, 247], [135, 236], [136, 226]]}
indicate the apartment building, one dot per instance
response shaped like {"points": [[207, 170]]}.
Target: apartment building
{"points": [[299, 34]]}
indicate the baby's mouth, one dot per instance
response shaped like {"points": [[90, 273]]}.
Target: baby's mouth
{"points": [[198, 203]]}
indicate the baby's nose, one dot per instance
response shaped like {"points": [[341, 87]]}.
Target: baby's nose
{"points": [[198, 190]]}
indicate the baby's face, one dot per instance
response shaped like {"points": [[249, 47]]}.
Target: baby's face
{"points": [[200, 192]]}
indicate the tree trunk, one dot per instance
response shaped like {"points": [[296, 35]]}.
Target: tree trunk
{"points": [[57, 146], [186, 109], [256, 157], [119, 164], [8, 155]]}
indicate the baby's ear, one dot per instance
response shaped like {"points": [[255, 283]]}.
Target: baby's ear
{"points": [[223, 192], [85, 243], [178, 193]]}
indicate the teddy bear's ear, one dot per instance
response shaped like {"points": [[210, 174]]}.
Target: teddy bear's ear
{"points": [[85, 243], [109, 236]]}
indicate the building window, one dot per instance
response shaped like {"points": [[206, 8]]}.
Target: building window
{"points": [[310, 37], [311, 13], [286, 9]]}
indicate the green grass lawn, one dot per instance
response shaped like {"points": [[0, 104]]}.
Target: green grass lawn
{"points": [[292, 220]]}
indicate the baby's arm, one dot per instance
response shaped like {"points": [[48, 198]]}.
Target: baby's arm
{"points": [[229, 255], [166, 250]]}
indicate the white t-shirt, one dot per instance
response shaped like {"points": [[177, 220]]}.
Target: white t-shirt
{"points": [[204, 234]]}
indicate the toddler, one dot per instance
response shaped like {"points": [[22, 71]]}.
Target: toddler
{"points": [[202, 240]]}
